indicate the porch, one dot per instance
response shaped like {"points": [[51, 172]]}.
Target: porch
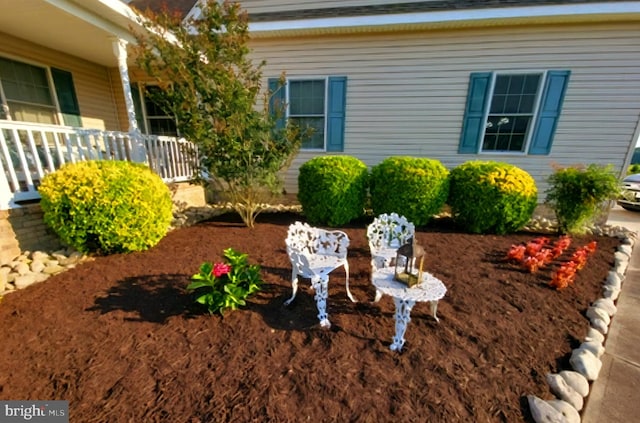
{"points": [[28, 151]]}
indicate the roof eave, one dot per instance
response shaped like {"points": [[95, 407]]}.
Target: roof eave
{"points": [[587, 13]]}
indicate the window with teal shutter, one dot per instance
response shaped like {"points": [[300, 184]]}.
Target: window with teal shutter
{"points": [[67, 99], [512, 112], [318, 104]]}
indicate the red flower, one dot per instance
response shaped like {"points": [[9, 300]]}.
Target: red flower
{"points": [[220, 269]]}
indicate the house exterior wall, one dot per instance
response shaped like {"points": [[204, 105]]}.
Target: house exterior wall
{"points": [[93, 83], [264, 6], [406, 92]]}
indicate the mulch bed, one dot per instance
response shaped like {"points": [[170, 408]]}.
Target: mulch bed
{"points": [[121, 339]]}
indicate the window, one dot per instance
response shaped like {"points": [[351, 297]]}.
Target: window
{"points": [[151, 118], [316, 103], [512, 112], [307, 109], [27, 95]]}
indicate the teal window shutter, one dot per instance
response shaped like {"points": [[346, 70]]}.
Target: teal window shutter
{"points": [[550, 106], [336, 106], [475, 112], [66, 93], [277, 100]]}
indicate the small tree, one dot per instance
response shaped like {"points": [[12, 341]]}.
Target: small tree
{"points": [[211, 86]]}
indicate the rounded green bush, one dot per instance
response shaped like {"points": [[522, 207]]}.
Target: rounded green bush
{"points": [[106, 206], [492, 197], [332, 190], [414, 187]]}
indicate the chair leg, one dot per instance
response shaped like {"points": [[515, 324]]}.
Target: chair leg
{"points": [[346, 270], [433, 305], [321, 287], [294, 285]]}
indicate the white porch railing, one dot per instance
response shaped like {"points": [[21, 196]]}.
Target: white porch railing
{"points": [[28, 151]]}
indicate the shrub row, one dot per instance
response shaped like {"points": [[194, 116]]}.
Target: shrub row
{"points": [[484, 196]]}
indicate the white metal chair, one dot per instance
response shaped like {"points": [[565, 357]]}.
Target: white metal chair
{"points": [[386, 234], [314, 253]]}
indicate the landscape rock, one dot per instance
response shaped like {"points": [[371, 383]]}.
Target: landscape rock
{"points": [[586, 363], [611, 292], [594, 335], [598, 313], [543, 412], [576, 381], [613, 279], [595, 347], [570, 414], [600, 325], [607, 305], [562, 390]]}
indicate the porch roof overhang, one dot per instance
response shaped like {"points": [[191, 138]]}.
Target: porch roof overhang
{"points": [[82, 28], [445, 19]]}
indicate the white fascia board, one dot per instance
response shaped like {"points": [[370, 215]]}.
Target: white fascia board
{"points": [[447, 17], [118, 14]]}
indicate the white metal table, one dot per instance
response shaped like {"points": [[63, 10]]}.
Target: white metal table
{"points": [[429, 290]]}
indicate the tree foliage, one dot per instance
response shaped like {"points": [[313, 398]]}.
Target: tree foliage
{"points": [[213, 88]]}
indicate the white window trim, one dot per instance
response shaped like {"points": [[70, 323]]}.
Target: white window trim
{"points": [[534, 117], [325, 79], [52, 90]]}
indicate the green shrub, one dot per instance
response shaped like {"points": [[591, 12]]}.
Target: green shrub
{"points": [[106, 206], [491, 197], [226, 286], [634, 168], [416, 188], [332, 189], [577, 194]]}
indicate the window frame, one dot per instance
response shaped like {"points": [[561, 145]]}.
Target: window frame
{"points": [[556, 87], [141, 87], [55, 107], [534, 116], [325, 81]]}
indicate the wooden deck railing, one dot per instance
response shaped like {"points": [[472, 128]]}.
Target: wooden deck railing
{"points": [[28, 151]]}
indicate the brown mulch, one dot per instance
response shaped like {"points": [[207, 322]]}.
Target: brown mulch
{"points": [[122, 341]]}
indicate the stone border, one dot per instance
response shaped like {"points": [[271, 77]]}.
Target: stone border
{"points": [[571, 387]]}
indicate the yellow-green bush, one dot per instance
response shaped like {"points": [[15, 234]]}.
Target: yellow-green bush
{"points": [[491, 197], [415, 187], [332, 190], [106, 206]]}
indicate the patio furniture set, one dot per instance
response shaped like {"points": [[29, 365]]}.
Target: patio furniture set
{"points": [[314, 253]]}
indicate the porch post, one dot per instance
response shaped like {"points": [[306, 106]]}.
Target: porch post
{"points": [[138, 153]]}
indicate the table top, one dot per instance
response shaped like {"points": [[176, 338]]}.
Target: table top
{"points": [[430, 289]]}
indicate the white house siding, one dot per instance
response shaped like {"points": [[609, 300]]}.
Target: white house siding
{"points": [[92, 82], [265, 6], [406, 92]]}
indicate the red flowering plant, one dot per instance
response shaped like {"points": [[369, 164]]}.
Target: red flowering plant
{"points": [[566, 274], [223, 286], [537, 252]]}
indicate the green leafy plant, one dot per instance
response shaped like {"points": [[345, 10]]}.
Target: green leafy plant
{"points": [[106, 206], [333, 189], [634, 168], [208, 81], [491, 197], [224, 286], [578, 194], [415, 187]]}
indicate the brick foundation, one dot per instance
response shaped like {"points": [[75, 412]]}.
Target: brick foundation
{"points": [[23, 228]]}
